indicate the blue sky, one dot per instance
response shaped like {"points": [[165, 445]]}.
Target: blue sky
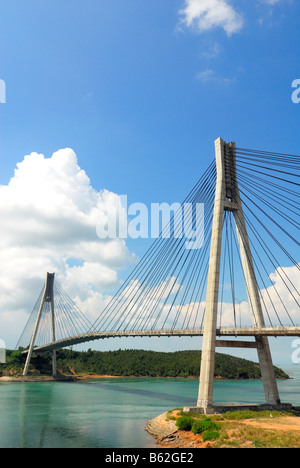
{"points": [[140, 90], [139, 100]]}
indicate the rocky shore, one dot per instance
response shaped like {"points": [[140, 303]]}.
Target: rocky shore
{"points": [[167, 434], [243, 429]]}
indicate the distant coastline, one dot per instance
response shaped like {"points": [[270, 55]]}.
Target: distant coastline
{"points": [[83, 365]]}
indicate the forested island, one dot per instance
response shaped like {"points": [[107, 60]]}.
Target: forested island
{"points": [[138, 363]]}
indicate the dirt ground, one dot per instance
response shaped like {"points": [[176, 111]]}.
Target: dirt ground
{"points": [[285, 423], [168, 436]]}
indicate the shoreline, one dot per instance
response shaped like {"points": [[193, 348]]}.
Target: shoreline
{"points": [[168, 435], [74, 377], [268, 431], [37, 378]]}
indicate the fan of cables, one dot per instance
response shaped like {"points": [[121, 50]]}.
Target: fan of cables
{"points": [[269, 188], [68, 319], [167, 289]]}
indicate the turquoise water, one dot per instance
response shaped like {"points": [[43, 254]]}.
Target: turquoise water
{"points": [[109, 413]]}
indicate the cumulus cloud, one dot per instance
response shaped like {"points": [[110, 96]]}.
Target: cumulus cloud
{"points": [[49, 214], [204, 15], [284, 295], [279, 304], [279, 301]]}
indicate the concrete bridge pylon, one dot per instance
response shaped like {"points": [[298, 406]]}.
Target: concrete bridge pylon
{"points": [[48, 296], [227, 198]]}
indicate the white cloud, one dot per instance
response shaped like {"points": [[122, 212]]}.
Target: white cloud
{"points": [[204, 15], [283, 294], [49, 212], [279, 299], [208, 76]]}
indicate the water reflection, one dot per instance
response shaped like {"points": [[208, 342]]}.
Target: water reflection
{"points": [[62, 415], [41, 417], [145, 393]]}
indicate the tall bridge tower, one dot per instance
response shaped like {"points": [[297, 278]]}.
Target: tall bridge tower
{"points": [[227, 198], [48, 296]]}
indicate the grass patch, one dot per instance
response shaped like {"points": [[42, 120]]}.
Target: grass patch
{"points": [[228, 429], [247, 437], [247, 414], [210, 436], [191, 414], [206, 424], [184, 423], [169, 416]]}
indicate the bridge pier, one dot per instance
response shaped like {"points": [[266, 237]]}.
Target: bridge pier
{"points": [[227, 198], [54, 370]]}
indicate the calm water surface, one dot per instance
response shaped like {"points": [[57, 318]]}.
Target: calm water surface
{"points": [[109, 413]]}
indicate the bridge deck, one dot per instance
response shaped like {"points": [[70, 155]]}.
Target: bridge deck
{"points": [[245, 332]]}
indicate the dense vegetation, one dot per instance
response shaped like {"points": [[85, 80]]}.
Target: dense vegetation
{"points": [[135, 363]]}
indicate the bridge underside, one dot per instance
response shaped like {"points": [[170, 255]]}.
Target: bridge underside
{"points": [[223, 332]]}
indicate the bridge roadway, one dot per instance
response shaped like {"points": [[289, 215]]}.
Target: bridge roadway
{"points": [[222, 332]]}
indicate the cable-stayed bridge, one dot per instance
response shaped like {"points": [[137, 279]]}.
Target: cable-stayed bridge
{"points": [[240, 279]]}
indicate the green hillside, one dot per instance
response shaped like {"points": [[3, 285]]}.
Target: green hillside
{"points": [[135, 363]]}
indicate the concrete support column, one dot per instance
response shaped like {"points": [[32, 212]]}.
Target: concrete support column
{"points": [[54, 372], [36, 328], [264, 353]]}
